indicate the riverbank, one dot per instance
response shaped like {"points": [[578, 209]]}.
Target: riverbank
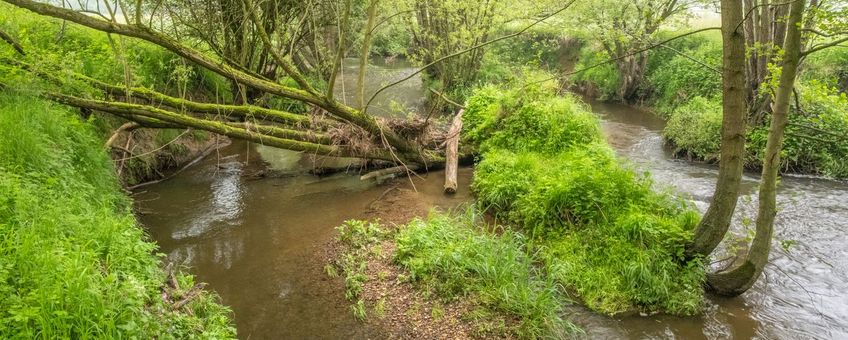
{"points": [[688, 95], [74, 262]]}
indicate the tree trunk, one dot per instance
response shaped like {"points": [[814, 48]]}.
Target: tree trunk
{"points": [[451, 153], [716, 220], [363, 56], [739, 279], [632, 70]]}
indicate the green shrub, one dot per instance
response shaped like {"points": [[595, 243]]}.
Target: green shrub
{"points": [[493, 120], [679, 80], [604, 232], [814, 141], [601, 81], [73, 263], [695, 129], [455, 258], [829, 67]]}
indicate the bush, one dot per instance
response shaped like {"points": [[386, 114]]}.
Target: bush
{"points": [[604, 232], [73, 263], [601, 81], [828, 67], [678, 80], [814, 141], [695, 129], [493, 119]]}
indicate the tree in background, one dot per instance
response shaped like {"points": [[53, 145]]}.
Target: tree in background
{"points": [[440, 28], [624, 27]]}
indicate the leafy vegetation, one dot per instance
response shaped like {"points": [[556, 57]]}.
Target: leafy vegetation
{"points": [[119, 60], [594, 217], [814, 142], [454, 257], [73, 262]]}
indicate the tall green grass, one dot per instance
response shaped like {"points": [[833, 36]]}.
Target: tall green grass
{"points": [[73, 263], [453, 256], [603, 232]]}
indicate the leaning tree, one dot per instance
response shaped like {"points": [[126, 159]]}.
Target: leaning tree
{"points": [[276, 54]]}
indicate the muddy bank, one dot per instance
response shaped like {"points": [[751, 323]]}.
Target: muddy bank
{"points": [[144, 156], [400, 309]]}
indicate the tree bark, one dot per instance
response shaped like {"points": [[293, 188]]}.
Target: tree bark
{"points": [[407, 151], [739, 279], [716, 220], [451, 153], [365, 53]]}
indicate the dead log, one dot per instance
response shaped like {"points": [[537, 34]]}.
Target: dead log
{"points": [[193, 293], [451, 153], [389, 171]]}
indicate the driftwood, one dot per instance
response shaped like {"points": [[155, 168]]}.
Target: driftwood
{"points": [[389, 171], [193, 293], [451, 153]]}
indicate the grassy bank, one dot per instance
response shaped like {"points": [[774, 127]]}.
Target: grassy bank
{"points": [[74, 263]]}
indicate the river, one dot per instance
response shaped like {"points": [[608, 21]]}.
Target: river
{"points": [[259, 241]]}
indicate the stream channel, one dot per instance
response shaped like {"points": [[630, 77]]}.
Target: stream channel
{"points": [[260, 241]]}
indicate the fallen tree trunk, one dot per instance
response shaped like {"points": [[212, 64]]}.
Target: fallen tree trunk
{"points": [[388, 171], [451, 153]]}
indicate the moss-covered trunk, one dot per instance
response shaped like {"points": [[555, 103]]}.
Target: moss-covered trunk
{"points": [[716, 220]]}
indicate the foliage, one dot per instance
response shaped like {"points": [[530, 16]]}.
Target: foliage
{"points": [[604, 233], [622, 29], [814, 143], [695, 129], [51, 43], [361, 240], [455, 258], [601, 81], [538, 47], [676, 80], [816, 136], [829, 67], [73, 263]]}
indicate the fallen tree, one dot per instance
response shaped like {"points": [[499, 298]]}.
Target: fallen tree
{"points": [[328, 128]]}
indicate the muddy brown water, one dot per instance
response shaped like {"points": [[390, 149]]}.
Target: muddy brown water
{"points": [[259, 242]]}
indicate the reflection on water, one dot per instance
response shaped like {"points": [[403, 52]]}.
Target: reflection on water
{"points": [[396, 101]]}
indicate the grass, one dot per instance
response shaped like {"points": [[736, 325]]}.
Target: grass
{"points": [[580, 225], [74, 263], [52, 46], [454, 258], [361, 240], [600, 228]]}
